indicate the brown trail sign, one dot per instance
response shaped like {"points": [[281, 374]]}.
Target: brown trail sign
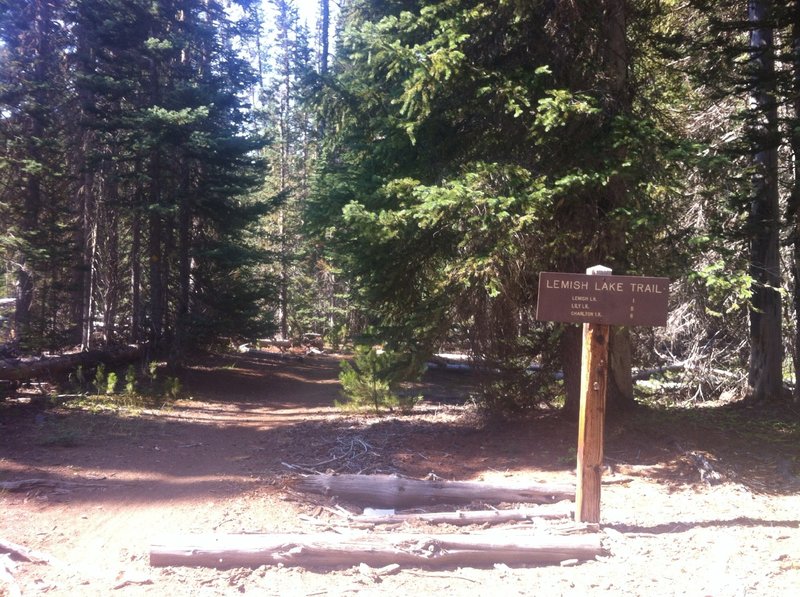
{"points": [[604, 299], [597, 300]]}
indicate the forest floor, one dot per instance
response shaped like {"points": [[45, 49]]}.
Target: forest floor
{"points": [[216, 461]]}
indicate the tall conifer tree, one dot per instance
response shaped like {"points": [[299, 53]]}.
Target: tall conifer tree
{"points": [[477, 144]]}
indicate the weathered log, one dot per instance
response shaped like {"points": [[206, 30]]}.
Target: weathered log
{"points": [[333, 550], [463, 517], [50, 366], [28, 484], [23, 553], [389, 491]]}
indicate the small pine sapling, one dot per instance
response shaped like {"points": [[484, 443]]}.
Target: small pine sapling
{"points": [[100, 379], [111, 384], [130, 380], [372, 379]]}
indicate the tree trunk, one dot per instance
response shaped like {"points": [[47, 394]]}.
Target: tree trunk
{"points": [[619, 396], [324, 35], [184, 273], [32, 190], [766, 348], [91, 276], [794, 198], [86, 265], [111, 300], [611, 249], [136, 271], [156, 290], [82, 200], [570, 352], [184, 221]]}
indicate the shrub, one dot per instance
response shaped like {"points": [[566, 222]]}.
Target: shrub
{"points": [[130, 380], [111, 383], [100, 379], [372, 378]]}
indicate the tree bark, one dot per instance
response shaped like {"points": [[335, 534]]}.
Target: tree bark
{"points": [[765, 379], [619, 397], [156, 252], [794, 198], [334, 550], [156, 255], [136, 269], [32, 189], [324, 34], [570, 352]]}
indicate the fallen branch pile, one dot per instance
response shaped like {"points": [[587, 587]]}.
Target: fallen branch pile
{"points": [[350, 454]]}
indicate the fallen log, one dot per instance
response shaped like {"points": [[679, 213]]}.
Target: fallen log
{"points": [[23, 553], [463, 517], [334, 550], [389, 491], [29, 484], [50, 366]]}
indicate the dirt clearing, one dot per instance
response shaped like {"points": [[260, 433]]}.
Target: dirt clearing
{"points": [[695, 502]]}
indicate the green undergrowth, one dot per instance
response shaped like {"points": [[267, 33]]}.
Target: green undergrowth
{"points": [[133, 389], [100, 403], [373, 381]]}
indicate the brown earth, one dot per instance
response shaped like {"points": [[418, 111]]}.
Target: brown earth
{"points": [[221, 460]]}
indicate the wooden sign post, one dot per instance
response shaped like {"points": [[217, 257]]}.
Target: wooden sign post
{"points": [[594, 381], [598, 300]]}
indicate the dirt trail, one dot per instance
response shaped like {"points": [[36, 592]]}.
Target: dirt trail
{"points": [[215, 462]]}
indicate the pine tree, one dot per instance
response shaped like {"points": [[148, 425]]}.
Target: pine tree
{"points": [[143, 173], [34, 97], [467, 158], [287, 122]]}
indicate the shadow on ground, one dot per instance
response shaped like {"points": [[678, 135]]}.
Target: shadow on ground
{"points": [[254, 419]]}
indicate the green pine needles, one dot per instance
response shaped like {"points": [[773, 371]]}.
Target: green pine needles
{"points": [[373, 378]]}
